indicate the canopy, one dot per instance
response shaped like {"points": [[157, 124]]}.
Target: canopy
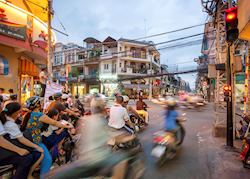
{"points": [[36, 7]]}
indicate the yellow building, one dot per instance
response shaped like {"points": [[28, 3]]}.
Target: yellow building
{"points": [[23, 45]]}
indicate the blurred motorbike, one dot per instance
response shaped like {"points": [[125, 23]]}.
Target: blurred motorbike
{"points": [[165, 144], [139, 123]]}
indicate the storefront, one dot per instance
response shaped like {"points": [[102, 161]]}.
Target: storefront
{"points": [[23, 43], [29, 79]]}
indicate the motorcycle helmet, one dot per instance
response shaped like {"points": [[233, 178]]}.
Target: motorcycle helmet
{"points": [[97, 104], [33, 102], [171, 102], [125, 99], [65, 96], [1, 98], [57, 95]]}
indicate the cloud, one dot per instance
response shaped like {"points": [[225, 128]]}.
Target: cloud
{"points": [[131, 19]]}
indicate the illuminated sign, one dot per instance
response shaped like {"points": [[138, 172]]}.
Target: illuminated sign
{"points": [[20, 24], [11, 29]]}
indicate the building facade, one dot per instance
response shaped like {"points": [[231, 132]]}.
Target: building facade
{"points": [[123, 59], [23, 43]]}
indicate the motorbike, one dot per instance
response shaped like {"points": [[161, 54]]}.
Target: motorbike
{"points": [[138, 122], [245, 153], [166, 144], [121, 141], [103, 169]]}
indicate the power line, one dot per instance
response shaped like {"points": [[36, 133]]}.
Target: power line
{"points": [[155, 35], [169, 32]]}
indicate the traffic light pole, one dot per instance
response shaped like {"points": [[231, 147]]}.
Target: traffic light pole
{"points": [[229, 101]]}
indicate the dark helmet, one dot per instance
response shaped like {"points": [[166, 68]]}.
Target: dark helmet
{"points": [[51, 98], [57, 96], [13, 96], [1, 98], [33, 102]]}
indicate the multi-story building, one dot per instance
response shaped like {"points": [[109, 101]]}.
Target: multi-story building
{"points": [[126, 58], [99, 66], [67, 66], [208, 50]]}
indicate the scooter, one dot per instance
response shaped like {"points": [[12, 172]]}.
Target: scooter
{"points": [[166, 144], [245, 153], [103, 169], [139, 123]]}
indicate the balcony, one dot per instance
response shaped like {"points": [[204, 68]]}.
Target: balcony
{"points": [[134, 56], [133, 71]]}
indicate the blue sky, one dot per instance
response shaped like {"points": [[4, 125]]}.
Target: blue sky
{"points": [[133, 19]]}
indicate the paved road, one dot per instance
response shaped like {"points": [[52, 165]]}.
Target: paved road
{"points": [[193, 160]]}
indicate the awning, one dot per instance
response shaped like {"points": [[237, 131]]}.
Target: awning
{"points": [[28, 68], [136, 86], [4, 66]]}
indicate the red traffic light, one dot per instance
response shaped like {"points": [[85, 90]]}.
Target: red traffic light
{"points": [[231, 14]]}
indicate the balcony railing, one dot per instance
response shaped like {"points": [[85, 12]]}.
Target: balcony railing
{"points": [[134, 71]]}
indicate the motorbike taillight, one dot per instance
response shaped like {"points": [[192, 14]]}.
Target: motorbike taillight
{"points": [[157, 139]]}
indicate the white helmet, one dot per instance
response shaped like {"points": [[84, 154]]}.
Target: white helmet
{"points": [[97, 104], [125, 98], [65, 96], [171, 102]]}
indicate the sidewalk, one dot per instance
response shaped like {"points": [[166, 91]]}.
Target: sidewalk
{"points": [[221, 161]]}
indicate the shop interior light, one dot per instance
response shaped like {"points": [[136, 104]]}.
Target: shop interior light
{"points": [[41, 23]]}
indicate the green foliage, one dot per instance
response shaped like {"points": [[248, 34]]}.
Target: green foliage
{"points": [[74, 72]]}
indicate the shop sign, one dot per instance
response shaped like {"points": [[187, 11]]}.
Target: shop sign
{"points": [[10, 28], [4, 66], [22, 25], [240, 78]]}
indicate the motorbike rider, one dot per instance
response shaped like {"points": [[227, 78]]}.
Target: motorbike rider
{"points": [[33, 122], [79, 105], [140, 108], [129, 108], [57, 104], [94, 153], [119, 118], [171, 118]]}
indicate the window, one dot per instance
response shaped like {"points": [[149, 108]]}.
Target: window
{"points": [[120, 49], [106, 66], [120, 65]]}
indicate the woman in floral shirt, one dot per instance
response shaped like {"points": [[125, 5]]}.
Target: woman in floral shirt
{"points": [[33, 122]]}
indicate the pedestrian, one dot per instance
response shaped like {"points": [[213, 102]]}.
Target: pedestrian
{"points": [[43, 79]]}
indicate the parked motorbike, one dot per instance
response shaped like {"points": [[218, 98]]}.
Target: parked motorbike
{"points": [[166, 143], [245, 153]]}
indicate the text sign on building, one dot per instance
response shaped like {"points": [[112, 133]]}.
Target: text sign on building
{"points": [[21, 25], [10, 28], [12, 31]]}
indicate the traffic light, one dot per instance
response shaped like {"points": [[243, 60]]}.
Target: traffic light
{"points": [[227, 92], [232, 31]]}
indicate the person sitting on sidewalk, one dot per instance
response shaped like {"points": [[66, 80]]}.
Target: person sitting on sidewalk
{"points": [[119, 118], [140, 108]]}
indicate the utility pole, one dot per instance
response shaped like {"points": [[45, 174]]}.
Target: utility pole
{"points": [[229, 101], [230, 132], [49, 55], [150, 80]]}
